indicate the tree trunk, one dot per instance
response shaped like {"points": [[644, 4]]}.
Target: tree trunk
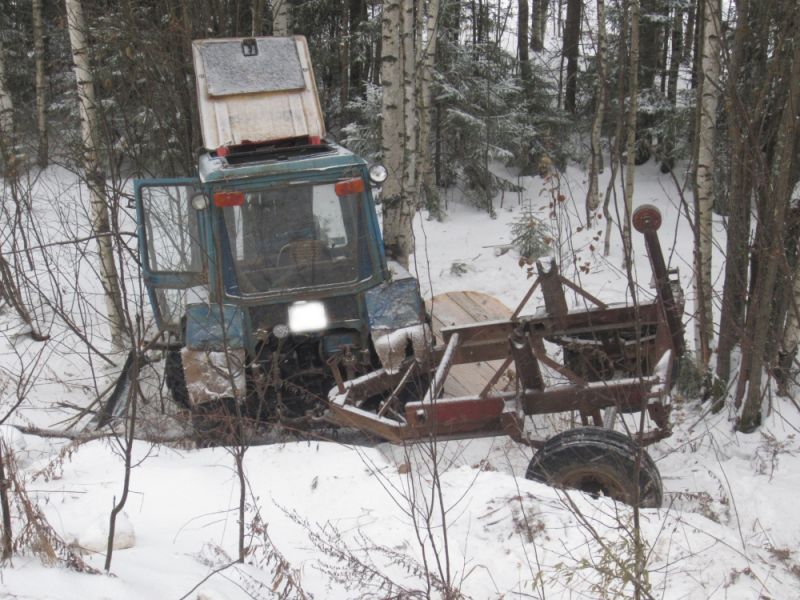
{"points": [[344, 59], [770, 253], [257, 17], [189, 95], [708, 97], [428, 24], [522, 42], [668, 153], [7, 133], [398, 135], [410, 107], [95, 177], [689, 38], [360, 59], [5, 507], [650, 43], [619, 128], [630, 145], [538, 24], [593, 194], [571, 51], [791, 334], [41, 110], [280, 18], [740, 188]]}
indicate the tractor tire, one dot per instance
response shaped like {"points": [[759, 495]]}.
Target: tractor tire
{"points": [[175, 378], [216, 423], [600, 462]]}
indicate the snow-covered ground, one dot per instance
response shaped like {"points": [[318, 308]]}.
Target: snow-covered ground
{"points": [[332, 520]]}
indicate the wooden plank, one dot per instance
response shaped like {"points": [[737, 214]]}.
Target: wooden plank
{"points": [[461, 308]]}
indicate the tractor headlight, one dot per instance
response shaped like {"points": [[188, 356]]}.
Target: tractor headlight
{"points": [[378, 174], [307, 316], [199, 201]]}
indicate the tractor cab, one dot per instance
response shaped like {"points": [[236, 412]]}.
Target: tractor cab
{"points": [[267, 270]]}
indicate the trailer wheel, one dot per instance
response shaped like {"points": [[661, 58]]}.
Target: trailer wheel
{"points": [[175, 378], [600, 462]]}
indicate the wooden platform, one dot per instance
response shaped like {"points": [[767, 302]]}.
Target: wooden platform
{"points": [[461, 308]]}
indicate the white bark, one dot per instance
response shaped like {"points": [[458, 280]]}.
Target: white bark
{"points": [[398, 132], [41, 111], [427, 31], [708, 91], [95, 178], [280, 18], [6, 117], [409, 99]]}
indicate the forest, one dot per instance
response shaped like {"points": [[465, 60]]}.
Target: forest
{"points": [[580, 107]]}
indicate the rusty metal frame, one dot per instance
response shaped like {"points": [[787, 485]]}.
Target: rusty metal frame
{"points": [[647, 339]]}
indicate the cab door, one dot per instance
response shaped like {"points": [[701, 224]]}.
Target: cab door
{"points": [[172, 249]]}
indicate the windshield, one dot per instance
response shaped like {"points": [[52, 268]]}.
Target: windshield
{"points": [[296, 236]]}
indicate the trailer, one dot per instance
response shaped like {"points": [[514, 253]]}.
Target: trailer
{"points": [[616, 359]]}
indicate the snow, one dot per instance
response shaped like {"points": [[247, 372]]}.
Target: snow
{"points": [[391, 345], [321, 514]]}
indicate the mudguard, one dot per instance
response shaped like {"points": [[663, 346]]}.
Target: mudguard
{"points": [[214, 356], [397, 319]]}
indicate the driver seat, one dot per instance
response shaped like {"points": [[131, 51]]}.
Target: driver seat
{"points": [[303, 253]]}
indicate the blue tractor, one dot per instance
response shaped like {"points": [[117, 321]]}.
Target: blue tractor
{"points": [[267, 271]]}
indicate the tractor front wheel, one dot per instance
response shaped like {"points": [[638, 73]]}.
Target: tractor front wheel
{"points": [[599, 462]]}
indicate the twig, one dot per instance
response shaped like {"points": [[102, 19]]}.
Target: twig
{"points": [[207, 577]]}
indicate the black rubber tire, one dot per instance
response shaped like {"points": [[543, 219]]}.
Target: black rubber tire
{"points": [[175, 378], [597, 461], [216, 423]]}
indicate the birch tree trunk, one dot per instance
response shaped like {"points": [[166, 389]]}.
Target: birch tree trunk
{"points": [[280, 18], [630, 144], [41, 111], [95, 177], [427, 32], [398, 129], [708, 97], [538, 24], [7, 135], [593, 194]]}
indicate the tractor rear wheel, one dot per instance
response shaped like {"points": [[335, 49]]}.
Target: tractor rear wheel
{"points": [[175, 378], [217, 423], [213, 422], [600, 462]]}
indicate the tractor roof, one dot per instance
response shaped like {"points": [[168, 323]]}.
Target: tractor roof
{"points": [[274, 160], [256, 90]]}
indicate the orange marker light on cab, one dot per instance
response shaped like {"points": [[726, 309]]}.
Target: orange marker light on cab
{"points": [[349, 186], [223, 199]]}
